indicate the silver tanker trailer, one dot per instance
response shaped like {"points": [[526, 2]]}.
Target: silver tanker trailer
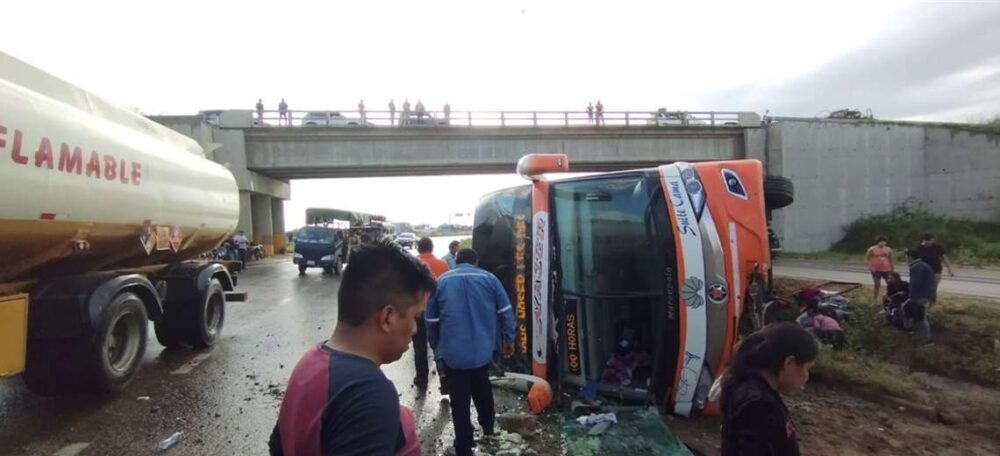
{"points": [[103, 214]]}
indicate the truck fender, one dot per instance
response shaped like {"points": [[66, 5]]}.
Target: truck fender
{"points": [[72, 306], [200, 275], [136, 283]]}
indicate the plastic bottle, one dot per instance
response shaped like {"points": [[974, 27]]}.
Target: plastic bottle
{"points": [[168, 442]]}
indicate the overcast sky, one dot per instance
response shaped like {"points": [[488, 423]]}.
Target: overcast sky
{"points": [[904, 60]]}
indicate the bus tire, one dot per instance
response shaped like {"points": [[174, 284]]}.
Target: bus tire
{"points": [[779, 192]]}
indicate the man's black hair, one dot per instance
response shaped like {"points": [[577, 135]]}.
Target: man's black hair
{"points": [[881, 238], [378, 275], [454, 244], [912, 254], [466, 256], [928, 236], [425, 245]]}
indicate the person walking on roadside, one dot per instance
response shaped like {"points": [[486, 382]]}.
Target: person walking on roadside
{"points": [[767, 364], [283, 116], [242, 245], [921, 293], [363, 113], [879, 259], [590, 113], [934, 254], [260, 112], [468, 318], [600, 112], [338, 401], [447, 112], [425, 253], [392, 113], [450, 257]]}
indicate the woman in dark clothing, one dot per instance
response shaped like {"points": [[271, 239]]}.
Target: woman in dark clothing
{"points": [[773, 361]]}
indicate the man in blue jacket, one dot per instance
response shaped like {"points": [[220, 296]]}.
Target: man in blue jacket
{"points": [[468, 318], [922, 291]]}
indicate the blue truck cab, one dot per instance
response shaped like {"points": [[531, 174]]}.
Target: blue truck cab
{"points": [[320, 247]]}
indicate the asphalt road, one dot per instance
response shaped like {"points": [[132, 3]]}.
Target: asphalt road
{"points": [[976, 282], [225, 400]]}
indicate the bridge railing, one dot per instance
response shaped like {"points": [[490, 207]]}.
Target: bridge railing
{"points": [[564, 119]]}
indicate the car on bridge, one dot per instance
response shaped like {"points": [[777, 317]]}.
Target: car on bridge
{"points": [[331, 119], [662, 117], [408, 240], [412, 119]]}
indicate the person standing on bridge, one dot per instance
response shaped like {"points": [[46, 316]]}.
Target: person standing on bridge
{"points": [[283, 114], [425, 253], [447, 112], [468, 318], [590, 113], [392, 112], [600, 113], [362, 112], [260, 112], [338, 401], [420, 111]]}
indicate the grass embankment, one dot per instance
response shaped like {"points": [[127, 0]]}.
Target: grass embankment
{"points": [[968, 242], [884, 360], [465, 243]]}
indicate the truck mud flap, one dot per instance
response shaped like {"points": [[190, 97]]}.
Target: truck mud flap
{"points": [[237, 296]]}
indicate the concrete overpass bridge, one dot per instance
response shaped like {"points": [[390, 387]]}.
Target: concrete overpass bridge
{"points": [[842, 169], [296, 153]]}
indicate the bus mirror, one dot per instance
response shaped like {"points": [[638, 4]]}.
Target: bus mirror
{"points": [[532, 166]]}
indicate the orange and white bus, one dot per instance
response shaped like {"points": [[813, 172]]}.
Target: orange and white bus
{"points": [[637, 281]]}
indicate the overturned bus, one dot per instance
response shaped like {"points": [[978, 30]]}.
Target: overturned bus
{"points": [[639, 282]]}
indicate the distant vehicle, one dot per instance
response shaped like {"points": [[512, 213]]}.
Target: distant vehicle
{"points": [[412, 119], [408, 240], [320, 247], [331, 119], [662, 117]]}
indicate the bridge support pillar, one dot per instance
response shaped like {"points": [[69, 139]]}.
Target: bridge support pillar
{"points": [[263, 232], [245, 222], [278, 224]]}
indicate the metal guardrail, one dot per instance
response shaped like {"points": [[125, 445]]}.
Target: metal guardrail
{"points": [[387, 119]]}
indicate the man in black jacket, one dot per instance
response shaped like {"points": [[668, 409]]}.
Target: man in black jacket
{"points": [[921, 293]]}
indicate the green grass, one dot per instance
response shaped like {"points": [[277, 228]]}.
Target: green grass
{"points": [[465, 243], [968, 242]]}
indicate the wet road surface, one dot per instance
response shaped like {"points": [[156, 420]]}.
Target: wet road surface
{"points": [[225, 400]]}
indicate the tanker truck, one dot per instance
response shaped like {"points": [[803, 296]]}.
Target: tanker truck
{"points": [[102, 216]]}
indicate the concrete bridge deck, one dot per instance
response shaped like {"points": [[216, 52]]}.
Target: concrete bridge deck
{"points": [[287, 153]]}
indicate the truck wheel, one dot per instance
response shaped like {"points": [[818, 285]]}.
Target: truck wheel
{"points": [[779, 192], [207, 317], [120, 343]]}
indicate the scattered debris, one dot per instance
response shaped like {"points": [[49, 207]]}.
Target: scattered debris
{"points": [[521, 423], [168, 442], [142, 398], [599, 428], [594, 418]]}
